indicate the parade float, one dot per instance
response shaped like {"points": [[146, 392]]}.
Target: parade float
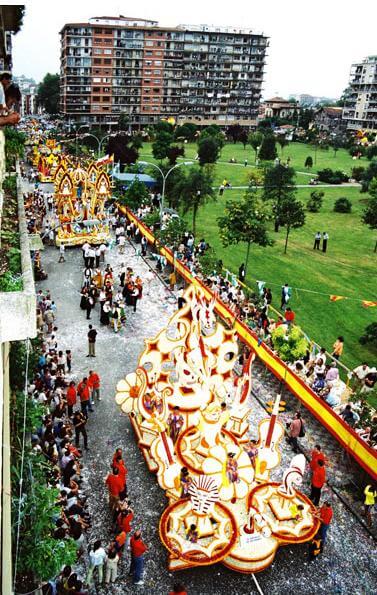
{"points": [[80, 196], [46, 158], [191, 413]]}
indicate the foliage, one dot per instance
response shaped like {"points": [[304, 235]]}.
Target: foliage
{"points": [[306, 118], [255, 140], [315, 201], [245, 221], [336, 144], [8, 282], [256, 177], [309, 162], [208, 262], [292, 215], [369, 216], [123, 148], [283, 142], [368, 175], [171, 233], [124, 121], [329, 176], [152, 219], [208, 150], [48, 94], [371, 152], [236, 133], [278, 186], [357, 173], [215, 132], [268, 151], [370, 335], [163, 126], [195, 190], [173, 153], [14, 145], [343, 205], [135, 195], [187, 131], [290, 344], [161, 146]]}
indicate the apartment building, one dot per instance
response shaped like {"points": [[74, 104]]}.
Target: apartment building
{"points": [[114, 65], [360, 107]]}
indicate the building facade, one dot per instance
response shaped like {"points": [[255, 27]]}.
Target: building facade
{"points": [[360, 107], [28, 88], [329, 119], [277, 107], [120, 65]]}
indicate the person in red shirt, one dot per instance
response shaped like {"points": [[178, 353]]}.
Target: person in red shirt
{"points": [[289, 316], [84, 394], [94, 385], [318, 481], [124, 520], [138, 549], [316, 455], [178, 589], [120, 540], [325, 516], [115, 486], [71, 398], [118, 463]]}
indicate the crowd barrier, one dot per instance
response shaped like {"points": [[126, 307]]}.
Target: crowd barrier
{"points": [[365, 456]]}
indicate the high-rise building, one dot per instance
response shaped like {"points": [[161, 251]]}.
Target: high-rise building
{"points": [[360, 106], [114, 65]]}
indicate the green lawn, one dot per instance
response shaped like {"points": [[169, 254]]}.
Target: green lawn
{"points": [[348, 268]]}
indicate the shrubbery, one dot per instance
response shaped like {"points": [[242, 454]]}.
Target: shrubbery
{"points": [[329, 176], [290, 344], [343, 205], [315, 201]]}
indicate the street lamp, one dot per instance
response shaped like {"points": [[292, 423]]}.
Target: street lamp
{"points": [[98, 140], [164, 176]]}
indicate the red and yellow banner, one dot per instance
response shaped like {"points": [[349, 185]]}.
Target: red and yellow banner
{"points": [[344, 434], [336, 298], [367, 304]]}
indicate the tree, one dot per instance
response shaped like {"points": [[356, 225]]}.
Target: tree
{"points": [[255, 140], [267, 151], [123, 149], [309, 162], [187, 131], [292, 215], [245, 221], [161, 146], [278, 186], [208, 150], [215, 132], [283, 142], [371, 152], [369, 216], [208, 261], [173, 153], [368, 175], [343, 205], [135, 195], [172, 232], [235, 132], [370, 335], [195, 190], [291, 345], [336, 144], [48, 94], [244, 138], [124, 121], [315, 201]]}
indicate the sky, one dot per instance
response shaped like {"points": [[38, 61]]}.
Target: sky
{"points": [[312, 43]]}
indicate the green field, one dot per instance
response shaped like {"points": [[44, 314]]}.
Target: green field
{"points": [[348, 268]]}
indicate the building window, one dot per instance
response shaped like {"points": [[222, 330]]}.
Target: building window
{"points": [[149, 43], [107, 52], [96, 89], [157, 63], [107, 61], [98, 31], [97, 51], [96, 98], [97, 61]]}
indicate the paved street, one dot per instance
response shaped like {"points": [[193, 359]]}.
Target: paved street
{"points": [[348, 565]]}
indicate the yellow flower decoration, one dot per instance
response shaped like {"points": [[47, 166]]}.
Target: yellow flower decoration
{"points": [[130, 389]]}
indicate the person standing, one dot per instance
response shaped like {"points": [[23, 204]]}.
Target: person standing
{"points": [[89, 306], [79, 422], [71, 398], [318, 481], [138, 549], [338, 348], [61, 253], [94, 385], [98, 256], [285, 296], [84, 394], [111, 567], [324, 241], [97, 558], [325, 516], [369, 503], [92, 336], [295, 429], [115, 487], [317, 240], [242, 273], [289, 316], [124, 520], [245, 162]]}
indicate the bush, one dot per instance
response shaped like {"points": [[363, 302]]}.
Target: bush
{"points": [[356, 150], [371, 152], [315, 201], [370, 335], [343, 205], [357, 173], [309, 162], [329, 176], [291, 345]]}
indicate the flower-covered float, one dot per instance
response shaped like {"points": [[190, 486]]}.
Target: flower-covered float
{"points": [[80, 196], [46, 157], [191, 414]]}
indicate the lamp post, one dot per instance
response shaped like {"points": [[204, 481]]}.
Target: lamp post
{"points": [[164, 176], [97, 139]]}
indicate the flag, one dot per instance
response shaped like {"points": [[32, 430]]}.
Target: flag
{"points": [[336, 298], [105, 160], [368, 304]]}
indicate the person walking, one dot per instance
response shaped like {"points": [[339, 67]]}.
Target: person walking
{"points": [[318, 481], [79, 422], [89, 306], [61, 253], [138, 549], [285, 296], [242, 273], [92, 336], [84, 394], [111, 566], [245, 162], [325, 516], [317, 240], [115, 486], [324, 241], [97, 558], [295, 430], [94, 385]]}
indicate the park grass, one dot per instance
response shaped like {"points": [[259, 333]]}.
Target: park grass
{"points": [[347, 269]]}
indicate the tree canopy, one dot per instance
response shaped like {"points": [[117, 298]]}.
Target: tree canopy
{"points": [[208, 150], [195, 189], [48, 94], [369, 216], [278, 186]]}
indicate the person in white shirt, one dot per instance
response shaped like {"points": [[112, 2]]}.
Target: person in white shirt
{"points": [[97, 558], [103, 249], [61, 253], [359, 373], [121, 243]]}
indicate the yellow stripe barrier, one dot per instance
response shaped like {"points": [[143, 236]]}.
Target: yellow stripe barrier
{"points": [[358, 448]]}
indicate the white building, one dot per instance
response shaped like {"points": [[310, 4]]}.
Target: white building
{"points": [[360, 108]]}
